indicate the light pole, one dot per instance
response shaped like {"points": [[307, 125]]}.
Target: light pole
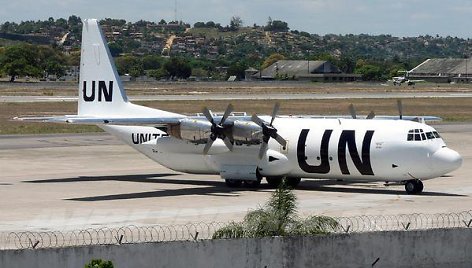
{"points": [[466, 71]]}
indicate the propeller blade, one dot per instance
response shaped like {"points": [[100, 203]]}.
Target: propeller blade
{"points": [[281, 140], [257, 120], [228, 143], [208, 146], [274, 112], [353, 111], [371, 115], [263, 149], [400, 108], [208, 115], [228, 111]]}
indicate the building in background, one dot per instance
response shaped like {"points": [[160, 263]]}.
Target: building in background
{"points": [[443, 71], [316, 71]]}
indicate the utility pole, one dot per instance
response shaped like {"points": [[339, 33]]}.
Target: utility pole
{"points": [[175, 11]]}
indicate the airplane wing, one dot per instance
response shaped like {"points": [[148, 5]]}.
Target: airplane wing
{"points": [[162, 121], [418, 118], [74, 119]]}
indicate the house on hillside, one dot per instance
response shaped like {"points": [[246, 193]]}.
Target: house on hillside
{"points": [[443, 71], [317, 71]]}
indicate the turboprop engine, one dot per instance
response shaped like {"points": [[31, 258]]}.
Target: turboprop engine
{"points": [[246, 132], [253, 132], [193, 130]]}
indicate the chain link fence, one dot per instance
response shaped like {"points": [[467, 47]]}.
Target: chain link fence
{"points": [[198, 231]]}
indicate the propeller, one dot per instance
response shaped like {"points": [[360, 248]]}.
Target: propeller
{"points": [[218, 130], [352, 109], [371, 115], [400, 108], [268, 131]]}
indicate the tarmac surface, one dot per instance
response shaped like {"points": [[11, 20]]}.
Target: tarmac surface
{"points": [[242, 96], [63, 182]]}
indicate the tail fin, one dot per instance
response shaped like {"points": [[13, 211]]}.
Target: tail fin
{"points": [[101, 92]]}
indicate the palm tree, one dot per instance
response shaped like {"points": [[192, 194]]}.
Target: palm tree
{"points": [[278, 218]]}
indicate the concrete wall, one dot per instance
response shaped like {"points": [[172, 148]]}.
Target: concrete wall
{"points": [[432, 248]]}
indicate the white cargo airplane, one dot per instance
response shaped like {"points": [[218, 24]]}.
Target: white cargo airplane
{"points": [[243, 149]]}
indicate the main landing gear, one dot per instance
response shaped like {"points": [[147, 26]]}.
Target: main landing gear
{"points": [[414, 186], [273, 182], [289, 181]]}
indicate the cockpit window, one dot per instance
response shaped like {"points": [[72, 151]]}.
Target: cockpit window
{"points": [[430, 135], [410, 135], [420, 135]]}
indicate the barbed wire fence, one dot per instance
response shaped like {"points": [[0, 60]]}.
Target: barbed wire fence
{"points": [[198, 231]]}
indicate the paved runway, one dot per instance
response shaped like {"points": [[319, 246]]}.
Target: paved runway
{"points": [[59, 182], [242, 96]]}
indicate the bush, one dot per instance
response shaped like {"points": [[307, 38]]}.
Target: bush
{"points": [[278, 218], [99, 263]]}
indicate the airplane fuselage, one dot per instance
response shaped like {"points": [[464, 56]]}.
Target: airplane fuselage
{"points": [[370, 150]]}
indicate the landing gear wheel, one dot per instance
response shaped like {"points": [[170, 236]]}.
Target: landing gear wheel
{"points": [[292, 181], [252, 184], [233, 183], [414, 186], [420, 186], [274, 182]]}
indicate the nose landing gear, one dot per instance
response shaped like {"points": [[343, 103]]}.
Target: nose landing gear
{"points": [[414, 186]]}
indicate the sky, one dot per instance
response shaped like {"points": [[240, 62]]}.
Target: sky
{"points": [[394, 17]]}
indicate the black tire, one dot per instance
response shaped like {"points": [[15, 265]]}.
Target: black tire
{"points": [[293, 181], [413, 186], [420, 186], [252, 184], [274, 182], [233, 183]]}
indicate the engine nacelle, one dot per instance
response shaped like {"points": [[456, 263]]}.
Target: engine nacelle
{"points": [[192, 130], [275, 164], [246, 132]]}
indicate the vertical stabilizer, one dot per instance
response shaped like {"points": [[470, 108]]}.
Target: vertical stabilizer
{"points": [[101, 92], [100, 88]]}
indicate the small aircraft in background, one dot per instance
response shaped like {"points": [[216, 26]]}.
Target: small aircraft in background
{"points": [[398, 80], [243, 149]]}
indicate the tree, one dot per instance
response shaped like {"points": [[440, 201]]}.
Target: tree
{"points": [[115, 49], [20, 60], [129, 65], [178, 68], [272, 59], [276, 26], [158, 73], [151, 62], [278, 218], [235, 23], [51, 61], [99, 263], [210, 24], [369, 71], [199, 24], [237, 69]]}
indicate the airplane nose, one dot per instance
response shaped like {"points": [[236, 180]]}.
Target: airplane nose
{"points": [[446, 160]]}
